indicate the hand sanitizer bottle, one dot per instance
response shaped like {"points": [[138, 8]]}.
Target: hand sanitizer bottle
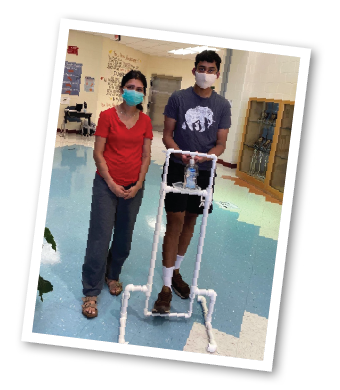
{"points": [[190, 176]]}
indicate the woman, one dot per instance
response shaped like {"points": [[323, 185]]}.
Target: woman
{"points": [[122, 153]]}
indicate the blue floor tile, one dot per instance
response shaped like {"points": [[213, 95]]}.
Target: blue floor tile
{"points": [[236, 262]]}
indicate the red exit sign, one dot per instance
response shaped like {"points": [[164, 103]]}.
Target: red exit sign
{"points": [[72, 50]]}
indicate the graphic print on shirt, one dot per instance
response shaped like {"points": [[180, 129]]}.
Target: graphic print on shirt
{"points": [[198, 118]]}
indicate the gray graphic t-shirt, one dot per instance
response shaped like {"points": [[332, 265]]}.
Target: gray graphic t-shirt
{"points": [[198, 120]]}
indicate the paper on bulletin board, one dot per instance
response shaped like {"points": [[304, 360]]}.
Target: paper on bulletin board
{"points": [[89, 84], [65, 100], [72, 78]]}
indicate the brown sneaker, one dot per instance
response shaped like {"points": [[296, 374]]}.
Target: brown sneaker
{"points": [[162, 305], [181, 288]]}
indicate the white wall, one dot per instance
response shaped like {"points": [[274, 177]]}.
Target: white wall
{"points": [[94, 52], [251, 74], [129, 59], [258, 75], [90, 55]]}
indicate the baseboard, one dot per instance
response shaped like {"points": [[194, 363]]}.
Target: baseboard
{"points": [[226, 164]]}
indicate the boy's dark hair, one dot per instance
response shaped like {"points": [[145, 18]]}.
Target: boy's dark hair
{"points": [[137, 75], [209, 56]]}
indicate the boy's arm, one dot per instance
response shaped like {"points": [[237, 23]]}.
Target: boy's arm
{"points": [[219, 148], [168, 139], [222, 136]]}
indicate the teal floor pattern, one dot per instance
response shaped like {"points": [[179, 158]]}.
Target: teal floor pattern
{"points": [[237, 263]]}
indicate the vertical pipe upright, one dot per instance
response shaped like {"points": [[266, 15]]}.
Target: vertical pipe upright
{"points": [[157, 231]]}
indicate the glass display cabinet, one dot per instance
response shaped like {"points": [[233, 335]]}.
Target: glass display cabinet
{"points": [[265, 142]]}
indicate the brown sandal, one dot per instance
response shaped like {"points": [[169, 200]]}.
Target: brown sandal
{"points": [[88, 302], [115, 286]]}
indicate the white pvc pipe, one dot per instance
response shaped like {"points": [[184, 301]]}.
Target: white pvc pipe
{"points": [[147, 289], [207, 316], [185, 191], [123, 311], [200, 246], [212, 294], [149, 313]]}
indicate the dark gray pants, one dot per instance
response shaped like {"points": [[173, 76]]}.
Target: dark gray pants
{"points": [[108, 212]]}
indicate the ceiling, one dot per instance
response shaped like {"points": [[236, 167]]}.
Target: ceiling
{"points": [[152, 46]]}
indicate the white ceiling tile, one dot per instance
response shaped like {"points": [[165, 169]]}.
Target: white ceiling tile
{"points": [[153, 46], [125, 39]]}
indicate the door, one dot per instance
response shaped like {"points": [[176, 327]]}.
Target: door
{"points": [[161, 89]]}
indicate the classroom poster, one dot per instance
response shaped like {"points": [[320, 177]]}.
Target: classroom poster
{"points": [[72, 78], [89, 84]]}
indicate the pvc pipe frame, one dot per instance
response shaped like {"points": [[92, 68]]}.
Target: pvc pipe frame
{"points": [[194, 290]]}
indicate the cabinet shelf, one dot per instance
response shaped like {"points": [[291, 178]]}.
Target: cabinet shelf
{"points": [[262, 123], [259, 149], [283, 158]]}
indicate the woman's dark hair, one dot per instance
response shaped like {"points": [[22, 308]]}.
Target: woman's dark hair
{"points": [[137, 75], [209, 56]]}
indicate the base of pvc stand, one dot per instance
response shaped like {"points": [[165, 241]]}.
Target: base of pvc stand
{"points": [[212, 346]]}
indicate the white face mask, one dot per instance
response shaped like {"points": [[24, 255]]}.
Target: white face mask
{"points": [[204, 80]]}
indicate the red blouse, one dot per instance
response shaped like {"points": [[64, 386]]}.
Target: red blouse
{"points": [[123, 148]]}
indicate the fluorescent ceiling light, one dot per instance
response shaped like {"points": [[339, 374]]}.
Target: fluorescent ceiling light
{"points": [[183, 51], [201, 48], [192, 50]]}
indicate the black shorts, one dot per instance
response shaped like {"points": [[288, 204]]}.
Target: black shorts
{"points": [[184, 202]]}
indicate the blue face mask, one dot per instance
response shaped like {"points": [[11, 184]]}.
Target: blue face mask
{"points": [[132, 97]]}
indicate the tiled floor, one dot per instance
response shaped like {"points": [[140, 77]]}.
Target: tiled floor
{"points": [[238, 262]]}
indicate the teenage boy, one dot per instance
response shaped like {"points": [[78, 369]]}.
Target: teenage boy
{"points": [[197, 119]]}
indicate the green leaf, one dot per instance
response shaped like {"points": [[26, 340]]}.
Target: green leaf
{"points": [[49, 238], [44, 286]]}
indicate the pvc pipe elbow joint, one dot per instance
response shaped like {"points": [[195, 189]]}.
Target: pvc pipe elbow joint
{"points": [[212, 294], [211, 348]]}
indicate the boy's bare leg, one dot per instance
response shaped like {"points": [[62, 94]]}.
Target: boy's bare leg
{"points": [[186, 234], [179, 231], [173, 232]]}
